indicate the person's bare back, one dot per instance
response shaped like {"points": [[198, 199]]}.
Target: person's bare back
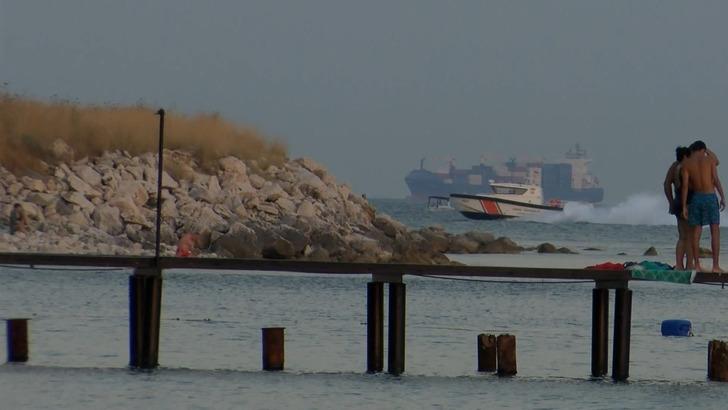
{"points": [[700, 170]]}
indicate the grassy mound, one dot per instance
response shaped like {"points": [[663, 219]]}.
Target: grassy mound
{"points": [[28, 129]]}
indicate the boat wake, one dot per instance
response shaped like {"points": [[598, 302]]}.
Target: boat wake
{"points": [[637, 209]]}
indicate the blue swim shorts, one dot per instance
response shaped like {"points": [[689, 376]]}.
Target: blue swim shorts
{"points": [[703, 209]]}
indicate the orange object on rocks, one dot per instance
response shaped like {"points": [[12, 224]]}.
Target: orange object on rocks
{"points": [[186, 245]]}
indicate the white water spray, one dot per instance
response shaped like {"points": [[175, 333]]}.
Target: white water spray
{"points": [[637, 209]]}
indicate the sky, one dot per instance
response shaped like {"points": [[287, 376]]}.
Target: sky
{"points": [[367, 88]]}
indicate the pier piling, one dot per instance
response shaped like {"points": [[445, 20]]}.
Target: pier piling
{"points": [[145, 301], [375, 327], [486, 353], [506, 349], [17, 335], [600, 331], [395, 362], [273, 348], [718, 360], [622, 325]]}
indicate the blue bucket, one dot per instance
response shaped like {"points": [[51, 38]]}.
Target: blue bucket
{"points": [[677, 327]]}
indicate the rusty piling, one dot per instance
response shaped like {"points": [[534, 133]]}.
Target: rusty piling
{"points": [[600, 332], [273, 348], [486, 353], [622, 326], [718, 360], [395, 359], [17, 335], [145, 304], [375, 327], [506, 349]]}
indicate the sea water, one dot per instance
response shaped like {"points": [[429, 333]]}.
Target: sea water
{"points": [[210, 354]]}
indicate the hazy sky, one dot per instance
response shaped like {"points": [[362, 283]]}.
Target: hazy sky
{"points": [[370, 87]]}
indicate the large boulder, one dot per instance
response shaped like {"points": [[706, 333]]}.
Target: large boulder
{"points": [[389, 225], [482, 238], [546, 248], [134, 190], [108, 219], [271, 192], [206, 220], [79, 199], [306, 210], [33, 184], [210, 192], [502, 245], [129, 211], [88, 175], [79, 185], [436, 238], [463, 244]]}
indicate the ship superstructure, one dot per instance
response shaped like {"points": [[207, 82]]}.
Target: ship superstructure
{"points": [[565, 180]]}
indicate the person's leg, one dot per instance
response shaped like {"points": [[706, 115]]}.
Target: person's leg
{"points": [[697, 232], [715, 246], [682, 243], [689, 249]]}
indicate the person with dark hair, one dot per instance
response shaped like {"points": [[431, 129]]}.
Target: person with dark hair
{"points": [[699, 174], [672, 192]]}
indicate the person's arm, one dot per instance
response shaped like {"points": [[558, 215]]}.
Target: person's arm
{"points": [[667, 185], [711, 154], [718, 187], [685, 177]]}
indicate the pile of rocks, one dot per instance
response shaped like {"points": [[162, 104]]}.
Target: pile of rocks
{"points": [[107, 205]]}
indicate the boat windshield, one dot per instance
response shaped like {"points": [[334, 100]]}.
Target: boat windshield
{"points": [[509, 190]]}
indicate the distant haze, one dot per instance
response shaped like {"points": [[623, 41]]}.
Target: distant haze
{"points": [[370, 87]]}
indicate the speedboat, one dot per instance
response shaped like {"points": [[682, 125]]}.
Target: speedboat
{"points": [[508, 200]]}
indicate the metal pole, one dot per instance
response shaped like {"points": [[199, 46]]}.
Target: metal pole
{"points": [[159, 182]]}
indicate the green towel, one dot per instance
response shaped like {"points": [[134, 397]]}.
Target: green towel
{"points": [[674, 276]]}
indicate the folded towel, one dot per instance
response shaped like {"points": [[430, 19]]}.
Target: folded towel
{"points": [[674, 276]]}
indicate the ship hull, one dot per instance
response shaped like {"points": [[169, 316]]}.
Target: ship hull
{"points": [[487, 207]]}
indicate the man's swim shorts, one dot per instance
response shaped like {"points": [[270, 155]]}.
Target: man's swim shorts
{"points": [[703, 209]]}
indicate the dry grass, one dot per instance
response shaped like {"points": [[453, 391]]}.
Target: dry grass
{"points": [[29, 127]]}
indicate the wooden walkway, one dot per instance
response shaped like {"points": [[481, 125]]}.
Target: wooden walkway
{"points": [[37, 259], [145, 288]]}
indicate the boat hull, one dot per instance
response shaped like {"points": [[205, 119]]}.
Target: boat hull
{"points": [[487, 207]]}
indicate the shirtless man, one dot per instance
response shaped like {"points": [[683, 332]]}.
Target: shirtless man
{"points": [[700, 175]]}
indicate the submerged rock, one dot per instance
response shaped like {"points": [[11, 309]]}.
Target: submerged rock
{"points": [[546, 248]]}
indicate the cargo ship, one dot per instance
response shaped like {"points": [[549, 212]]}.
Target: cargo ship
{"points": [[565, 180]]}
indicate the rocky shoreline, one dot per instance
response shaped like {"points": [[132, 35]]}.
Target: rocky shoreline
{"points": [[297, 210]]}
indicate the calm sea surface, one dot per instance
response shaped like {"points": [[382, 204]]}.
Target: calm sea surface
{"points": [[210, 334]]}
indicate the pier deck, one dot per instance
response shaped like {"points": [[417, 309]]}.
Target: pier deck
{"points": [[146, 283]]}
